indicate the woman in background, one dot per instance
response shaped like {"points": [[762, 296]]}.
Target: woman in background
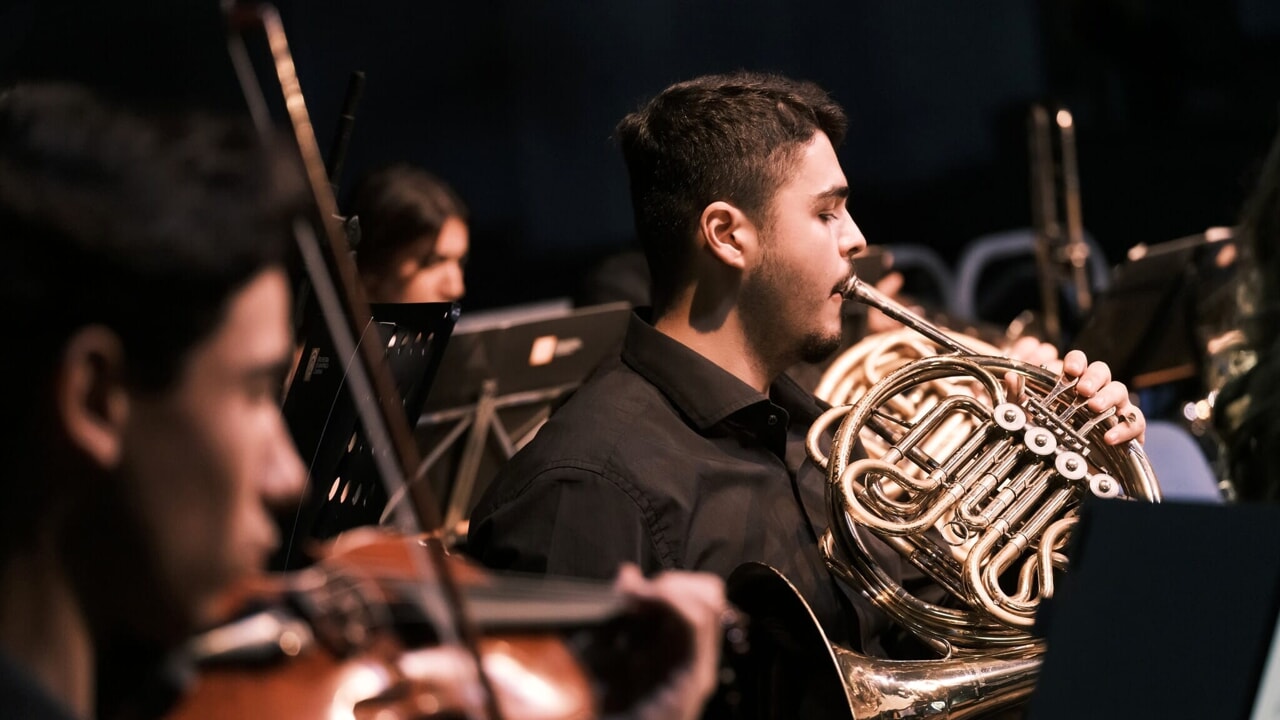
{"points": [[414, 239]]}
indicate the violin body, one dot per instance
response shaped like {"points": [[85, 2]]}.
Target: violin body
{"points": [[351, 638], [534, 676]]}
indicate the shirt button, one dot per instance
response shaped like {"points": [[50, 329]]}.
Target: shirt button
{"points": [[773, 420]]}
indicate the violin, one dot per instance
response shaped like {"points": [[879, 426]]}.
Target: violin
{"points": [[353, 637]]}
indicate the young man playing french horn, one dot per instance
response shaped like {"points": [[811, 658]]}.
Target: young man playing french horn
{"points": [[689, 451]]}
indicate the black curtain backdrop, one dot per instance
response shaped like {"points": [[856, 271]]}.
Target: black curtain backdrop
{"points": [[515, 102]]}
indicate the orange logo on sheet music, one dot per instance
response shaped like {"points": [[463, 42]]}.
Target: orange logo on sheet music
{"points": [[549, 347]]}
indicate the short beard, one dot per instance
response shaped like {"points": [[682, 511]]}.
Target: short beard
{"points": [[765, 320], [817, 347]]}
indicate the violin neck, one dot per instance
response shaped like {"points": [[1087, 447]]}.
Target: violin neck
{"points": [[514, 602]]}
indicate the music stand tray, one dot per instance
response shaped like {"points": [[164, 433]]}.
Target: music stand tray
{"points": [[1145, 325], [502, 380]]}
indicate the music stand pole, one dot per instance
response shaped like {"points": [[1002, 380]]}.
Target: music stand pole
{"points": [[469, 465]]}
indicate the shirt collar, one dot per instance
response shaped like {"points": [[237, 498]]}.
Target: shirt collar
{"points": [[705, 392]]}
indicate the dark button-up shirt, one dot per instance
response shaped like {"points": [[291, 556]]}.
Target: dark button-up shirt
{"points": [[666, 460]]}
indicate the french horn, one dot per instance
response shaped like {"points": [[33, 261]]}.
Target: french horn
{"points": [[978, 488]]}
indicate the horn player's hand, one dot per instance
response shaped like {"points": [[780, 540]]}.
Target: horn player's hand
{"points": [[1104, 393], [1034, 352], [1094, 383]]}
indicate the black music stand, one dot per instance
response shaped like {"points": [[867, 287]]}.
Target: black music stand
{"points": [[1147, 324], [344, 488], [502, 380], [1168, 611]]}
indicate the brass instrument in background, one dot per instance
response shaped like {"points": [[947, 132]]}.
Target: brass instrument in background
{"points": [[977, 489], [1062, 255]]}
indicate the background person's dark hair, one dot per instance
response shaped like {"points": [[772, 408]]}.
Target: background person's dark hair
{"points": [[730, 137], [144, 227], [1246, 408], [1260, 231], [397, 206]]}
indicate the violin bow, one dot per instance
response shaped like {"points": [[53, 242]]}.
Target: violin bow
{"points": [[347, 316]]}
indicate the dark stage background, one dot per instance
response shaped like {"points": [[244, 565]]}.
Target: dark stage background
{"points": [[514, 103]]}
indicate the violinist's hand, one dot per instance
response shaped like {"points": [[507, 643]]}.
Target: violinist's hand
{"points": [[698, 601], [1095, 383]]}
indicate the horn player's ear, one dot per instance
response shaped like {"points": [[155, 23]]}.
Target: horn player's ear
{"points": [[728, 233], [92, 401]]}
